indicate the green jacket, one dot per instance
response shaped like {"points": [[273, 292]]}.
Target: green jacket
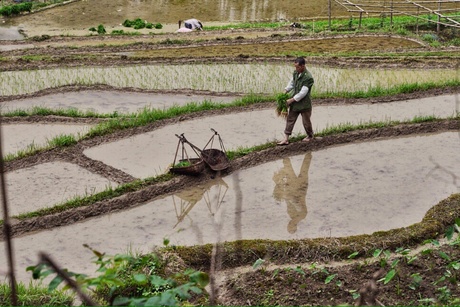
{"points": [[304, 79]]}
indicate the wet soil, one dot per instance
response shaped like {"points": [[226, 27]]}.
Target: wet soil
{"points": [[262, 287], [415, 283]]}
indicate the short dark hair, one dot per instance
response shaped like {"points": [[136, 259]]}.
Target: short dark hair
{"points": [[300, 61]]}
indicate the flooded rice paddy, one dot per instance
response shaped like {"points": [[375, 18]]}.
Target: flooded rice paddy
{"points": [[19, 137], [50, 184], [339, 191], [267, 78], [108, 102], [133, 155]]}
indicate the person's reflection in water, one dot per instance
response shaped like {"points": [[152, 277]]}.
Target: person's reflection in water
{"points": [[293, 189]]}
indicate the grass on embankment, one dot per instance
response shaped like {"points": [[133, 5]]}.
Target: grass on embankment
{"points": [[35, 295]]}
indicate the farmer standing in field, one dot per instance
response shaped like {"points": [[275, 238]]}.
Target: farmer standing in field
{"points": [[300, 102]]}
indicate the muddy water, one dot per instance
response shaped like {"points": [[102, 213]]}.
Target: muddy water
{"points": [[22, 136], [108, 101], [133, 155], [267, 78], [340, 191], [48, 184]]}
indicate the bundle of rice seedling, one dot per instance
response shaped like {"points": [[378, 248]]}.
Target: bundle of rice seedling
{"points": [[281, 107]]}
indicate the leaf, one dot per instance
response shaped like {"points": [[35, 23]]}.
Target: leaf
{"points": [[450, 232], [411, 259], [54, 283], [167, 299], [158, 281], [201, 278], [299, 270], [377, 253], [140, 278], [353, 255], [196, 290], [37, 270], [389, 276], [404, 251], [330, 278], [258, 263], [427, 251], [122, 301], [153, 301], [165, 241], [444, 255], [354, 293], [455, 265]]}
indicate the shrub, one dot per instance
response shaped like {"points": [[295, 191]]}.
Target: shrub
{"points": [[136, 281]]}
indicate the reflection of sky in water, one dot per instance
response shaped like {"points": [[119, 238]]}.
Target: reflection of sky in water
{"points": [[352, 189]]}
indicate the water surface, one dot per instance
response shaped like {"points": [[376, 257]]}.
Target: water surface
{"points": [[340, 191]]}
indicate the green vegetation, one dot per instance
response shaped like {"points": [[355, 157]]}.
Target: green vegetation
{"points": [[35, 295], [139, 280], [140, 24], [281, 107], [184, 163], [15, 9], [11, 9], [100, 29], [411, 26], [399, 24], [400, 276], [31, 58]]}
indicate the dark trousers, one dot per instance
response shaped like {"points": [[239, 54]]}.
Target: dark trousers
{"points": [[292, 118]]}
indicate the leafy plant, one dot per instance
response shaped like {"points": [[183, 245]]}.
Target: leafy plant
{"points": [[100, 29], [118, 274], [139, 23], [281, 106], [353, 255], [259, 262]]}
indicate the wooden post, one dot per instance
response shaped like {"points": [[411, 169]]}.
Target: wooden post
{"points": [[360, 18], [391, 13], [438, 25], [7, 227], [329, 9], [416, 22]]}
